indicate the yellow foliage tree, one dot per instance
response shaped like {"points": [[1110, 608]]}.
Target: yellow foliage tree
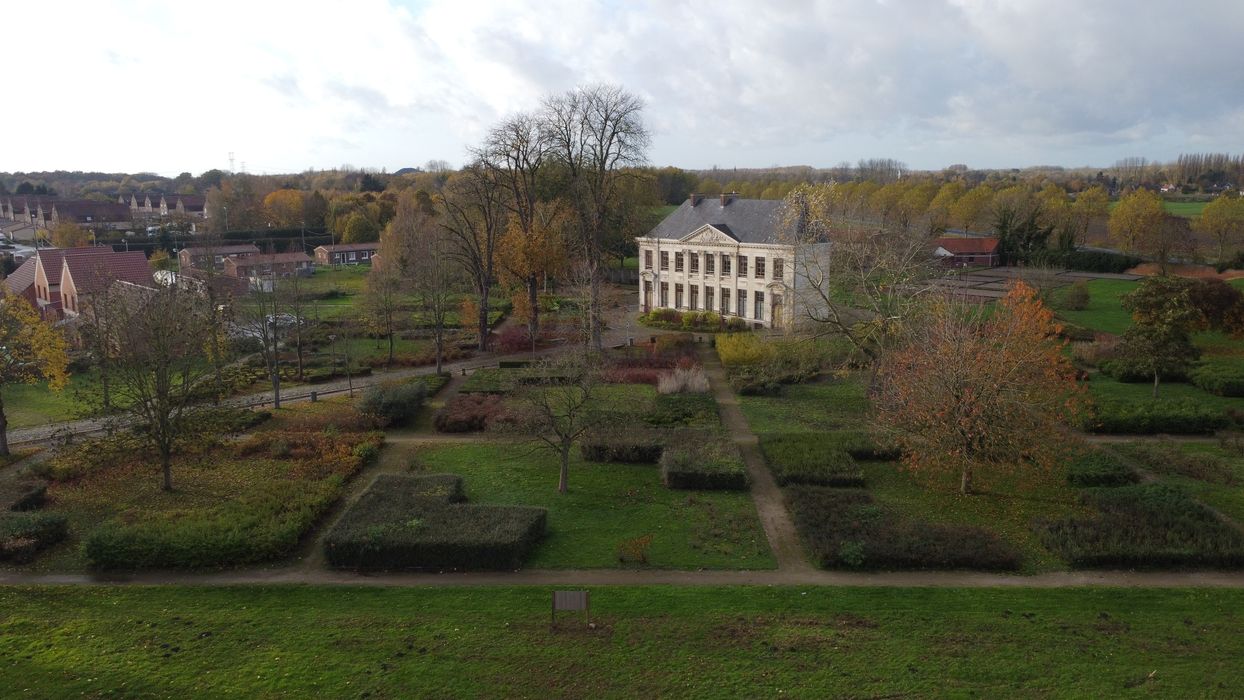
{"points": [[1138, 224], [1223, 221], [31, 351], [67, 235], [284, 208]]}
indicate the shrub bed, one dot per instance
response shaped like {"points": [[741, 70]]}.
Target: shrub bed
{"points": [[1128, 372], [809, 458], [406, 523], [1184, 417], [640, 448], [1100, 468], [23, 535], [1144, 526], [683, 410], [695, 321], [21, 493], [493, 380], [1167, 458], [1219, 378], [393, 403], [713, 465], [844, 528], [466, 413]]}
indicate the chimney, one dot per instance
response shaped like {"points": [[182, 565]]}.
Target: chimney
{"points": [[695, 198], [727, 196]]}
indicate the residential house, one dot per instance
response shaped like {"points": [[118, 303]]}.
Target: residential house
{"points": [[147, 205], [62, 277], [721, 254], [346, 253], [268, 266], [214, 256], [967, 252], [91, 214], [21, 282]]}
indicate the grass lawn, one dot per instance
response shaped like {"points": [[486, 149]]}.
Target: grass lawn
{"points": [[608, 504], [347, 280], [1105, 311], [1003, 507], [744, 642], [27, 405], [1226, 498], [1187, 210], [1103, 388], [802, 408]]}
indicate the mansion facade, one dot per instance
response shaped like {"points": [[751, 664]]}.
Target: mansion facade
{"points": [[720, 254]]}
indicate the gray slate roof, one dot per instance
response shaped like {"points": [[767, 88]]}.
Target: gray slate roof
{"points": [[746, 220]]}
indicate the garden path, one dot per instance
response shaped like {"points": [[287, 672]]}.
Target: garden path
{"points": [[778, 527]]}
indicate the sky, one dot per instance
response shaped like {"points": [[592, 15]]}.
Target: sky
{"points": [[158, 86]]}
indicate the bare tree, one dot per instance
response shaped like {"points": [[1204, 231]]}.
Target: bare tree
{"points": [[594, 133], [475, 218], [435, 279], [559, 410], [384, 301], [160, 363], [260, 319]]}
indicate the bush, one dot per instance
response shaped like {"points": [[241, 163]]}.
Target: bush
{"points": [[844, 528], [1095, 261], [683, 381], [405, 523], [23, 535], [742, 349], [683, 411], [1129, 372], [1183, 417], [514, 338], [1144, 526], [1100, 468], [1223, 379], [393, 403], [1095, 352], [1076, 298], [713, 465], [809, 458], [76, 461], [1166, 458], [643, 449], [631, 375], [466, 413], [862, 445], [21, 493], [697, 321]]}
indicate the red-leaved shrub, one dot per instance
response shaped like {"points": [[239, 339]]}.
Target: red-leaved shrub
{"points": [[465, 413]]}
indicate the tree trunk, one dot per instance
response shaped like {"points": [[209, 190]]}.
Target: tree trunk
{"points": [[533, 298], [440, 348], [166, 465], [483, 319], [276, 388], [104, 385], [1156, 376], [563, 481], [4, 430], [594, 312], [390, 363], [965, 483], [298, 345]]}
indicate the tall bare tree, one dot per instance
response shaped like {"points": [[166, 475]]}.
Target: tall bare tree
{"points": [[475, 218], [562, 410]]}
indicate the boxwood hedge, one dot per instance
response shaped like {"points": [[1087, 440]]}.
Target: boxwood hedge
{"points": [[1182, 417], [25, 534], [809, 458], [710, 465], [405, 523], [1100, 468], [1219, 378]]}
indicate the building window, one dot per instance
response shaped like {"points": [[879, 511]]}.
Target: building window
{"points": [[693, 262], [725, 264], [759, 309], [647, 259], [742, 266], [760, 268], [725, 301], [677, 293], [708, 297], [677, 262], [665, 261], [665, 294], [709, 263], [695, 297], [742, 305], [779, 268]]}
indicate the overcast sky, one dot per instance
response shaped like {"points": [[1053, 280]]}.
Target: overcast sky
{"points": [[172, 86]]}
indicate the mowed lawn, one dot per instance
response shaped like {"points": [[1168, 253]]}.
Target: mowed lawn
{"points": [[815, 407], [608, 504], [740, 642]]}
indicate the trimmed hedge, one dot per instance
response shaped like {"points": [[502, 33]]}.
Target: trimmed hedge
{"points": [[1094, 261], [1219, 378], [684, 410], [713, 465], [405, 523], [809, 458], [1127, 372], [394, 404], [641, 449], [1100, 468], [23, 535], [1166, 458], [1182, 417], [1144, 526], [844, 528]]}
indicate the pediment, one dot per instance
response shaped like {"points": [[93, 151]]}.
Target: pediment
{"points": [[709, 234]]}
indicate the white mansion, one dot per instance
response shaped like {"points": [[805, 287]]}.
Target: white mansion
{"points": [[720, 254]]}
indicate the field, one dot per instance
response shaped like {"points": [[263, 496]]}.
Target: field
{"points": [[608, 504], [647, 642], [1188, 210]]}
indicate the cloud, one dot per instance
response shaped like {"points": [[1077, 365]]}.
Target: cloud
{"points": [[288, 85]]}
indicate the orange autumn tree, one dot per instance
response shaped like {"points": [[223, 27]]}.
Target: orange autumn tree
{"points": [[31, 351], [971, 392]]}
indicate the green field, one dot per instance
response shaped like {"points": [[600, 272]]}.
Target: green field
{"points": [[837, 403], [647, 642], [1188, 210], [607, 504]]}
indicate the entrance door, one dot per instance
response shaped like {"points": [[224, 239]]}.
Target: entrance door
{"points": [[775, 317]]}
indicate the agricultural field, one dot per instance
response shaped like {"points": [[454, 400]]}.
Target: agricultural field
{"points": [[642, 642], [1188, 210]]}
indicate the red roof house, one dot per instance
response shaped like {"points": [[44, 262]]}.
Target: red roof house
{"points": [[967, 252]]}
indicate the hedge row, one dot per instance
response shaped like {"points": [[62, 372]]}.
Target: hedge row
{"points": [[404, 523], [1166, 458], [684, 411], [23, 535], [1182, 417], [394, 403], [714, 465], [807, 458], [844, 528], [641, 448], [1219, 378], [1129, 372], [1150, 525], [1100, 468]]}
